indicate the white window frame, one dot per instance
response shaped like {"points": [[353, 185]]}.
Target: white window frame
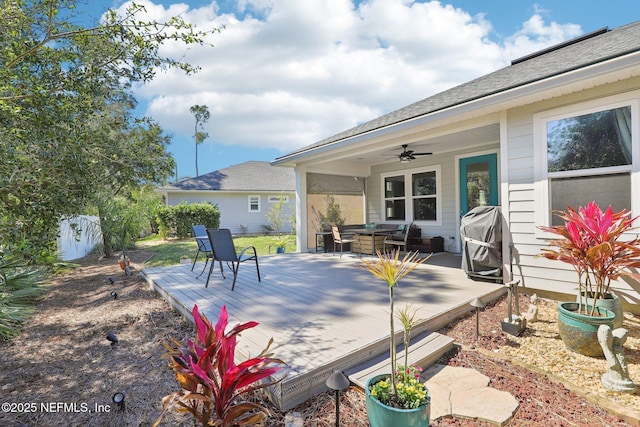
{"points": [[408, 195], [542, 214], [275, 199], [254, 197]]}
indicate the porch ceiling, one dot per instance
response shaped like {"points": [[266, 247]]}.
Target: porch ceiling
{"points": [[388, 149]]}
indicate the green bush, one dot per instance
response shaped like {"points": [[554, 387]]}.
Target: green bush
{"points": [[20, 285], [176, 221]]}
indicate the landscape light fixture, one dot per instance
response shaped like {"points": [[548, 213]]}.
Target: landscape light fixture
{"points": [[118, 399], [111, 280], [113, 338], [337, 381], [478, 304], [114, 294]]}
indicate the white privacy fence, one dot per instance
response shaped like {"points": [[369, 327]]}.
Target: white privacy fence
{"points": [[78, 236]]}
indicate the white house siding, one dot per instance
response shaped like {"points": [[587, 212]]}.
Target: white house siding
{"points": [[234, 208], [538, 273], [447, 197]]}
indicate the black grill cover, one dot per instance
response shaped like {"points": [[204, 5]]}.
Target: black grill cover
{"points": [[481, 233]]}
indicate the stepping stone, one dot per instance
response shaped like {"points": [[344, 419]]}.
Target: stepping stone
{"points": [[466, 393]]}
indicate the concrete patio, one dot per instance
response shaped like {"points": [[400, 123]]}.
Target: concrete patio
{"points": [[325, 313]]}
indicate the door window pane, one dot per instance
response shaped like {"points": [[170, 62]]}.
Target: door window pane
{"points": [[478, 188]]}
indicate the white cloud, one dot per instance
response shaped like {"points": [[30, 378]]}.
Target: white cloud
{"points": [[287, 73]]}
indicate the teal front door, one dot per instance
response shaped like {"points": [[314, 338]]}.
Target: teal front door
{"points": [[478, 182]]}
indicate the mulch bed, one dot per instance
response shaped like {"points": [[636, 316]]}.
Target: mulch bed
{"points": [[62, 371]]}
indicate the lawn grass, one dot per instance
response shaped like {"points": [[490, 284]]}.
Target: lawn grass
{"points": [[168, 252]]}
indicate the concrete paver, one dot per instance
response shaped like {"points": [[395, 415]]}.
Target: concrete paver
{"points": [[466, 393]]}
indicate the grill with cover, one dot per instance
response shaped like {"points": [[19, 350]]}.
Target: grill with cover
{"points": [[481, 234]]}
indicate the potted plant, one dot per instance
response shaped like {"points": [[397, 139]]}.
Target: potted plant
{"points": [[591, 242], [397, 398], [281, 242]]}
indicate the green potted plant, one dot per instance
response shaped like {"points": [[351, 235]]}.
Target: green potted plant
{"points": [[280, 242], [591, 241], [397, 398]]}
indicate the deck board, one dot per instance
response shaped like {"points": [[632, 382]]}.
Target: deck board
{"points": [[323, 312]]}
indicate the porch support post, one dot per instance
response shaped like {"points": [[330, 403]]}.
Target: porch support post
{"points": [[301, 209], [504, 197]]}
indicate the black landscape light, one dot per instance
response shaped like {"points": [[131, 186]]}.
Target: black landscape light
{"points": [[111, 280], [337, 381], [114, 294], [118, 399], [113, 338], [478, 304]]}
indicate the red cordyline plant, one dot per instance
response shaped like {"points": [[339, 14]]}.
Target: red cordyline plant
{"points": [[591, 243], [214, 387]]}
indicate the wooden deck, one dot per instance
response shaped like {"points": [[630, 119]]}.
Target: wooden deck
{"points": [[324, 312]]}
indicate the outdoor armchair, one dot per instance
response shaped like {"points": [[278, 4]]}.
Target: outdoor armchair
{"points": [[204, 246], [338, 239], [224, 250], [398, 240]]}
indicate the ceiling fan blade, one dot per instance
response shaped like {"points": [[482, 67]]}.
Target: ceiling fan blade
{"points": [[408, 155]]}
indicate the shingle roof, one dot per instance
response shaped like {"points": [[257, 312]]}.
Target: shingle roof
{"points": [[567, 57], [247, 176]]}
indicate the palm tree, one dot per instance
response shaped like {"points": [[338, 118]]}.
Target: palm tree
{"points": [[202, 115]]}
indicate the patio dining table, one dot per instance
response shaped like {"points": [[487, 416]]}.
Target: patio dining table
{"points": [[367, 240]]}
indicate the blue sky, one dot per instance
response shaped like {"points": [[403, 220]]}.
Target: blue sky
{"points": [[287, 73]]}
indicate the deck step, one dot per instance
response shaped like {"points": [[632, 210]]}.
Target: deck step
{"points": [[425, 350]]}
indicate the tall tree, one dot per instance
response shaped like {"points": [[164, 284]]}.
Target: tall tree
{"points": [[63, 88], [202, 116]]}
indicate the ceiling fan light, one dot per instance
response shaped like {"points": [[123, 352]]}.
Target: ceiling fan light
{"points": [[404, 159]]}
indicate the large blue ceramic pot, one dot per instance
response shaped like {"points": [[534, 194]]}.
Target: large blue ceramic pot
{"points": [[381, 415], [610, 302], [579, 331]]}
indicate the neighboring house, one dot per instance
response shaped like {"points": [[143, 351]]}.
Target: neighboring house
{"points": [[558, 127], [244, 194]]}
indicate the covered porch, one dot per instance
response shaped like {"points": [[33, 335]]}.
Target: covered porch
{"points": [[325, 313], [371, 180]]}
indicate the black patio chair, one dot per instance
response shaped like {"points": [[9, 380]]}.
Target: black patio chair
{"points": [[225, 250], [204, 246]]}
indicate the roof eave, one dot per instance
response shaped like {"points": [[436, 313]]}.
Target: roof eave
{"points": [[592, 75]]}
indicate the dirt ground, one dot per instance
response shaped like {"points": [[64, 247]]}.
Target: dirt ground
{"points": [[62, 371]]}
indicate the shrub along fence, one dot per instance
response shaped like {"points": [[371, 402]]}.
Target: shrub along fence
{"points": [[176, 221]]}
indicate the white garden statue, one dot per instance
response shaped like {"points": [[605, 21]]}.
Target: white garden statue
{"points": [[617, 375]]}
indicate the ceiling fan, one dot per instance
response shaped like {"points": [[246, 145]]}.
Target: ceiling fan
{"points": [[407, 155]]}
